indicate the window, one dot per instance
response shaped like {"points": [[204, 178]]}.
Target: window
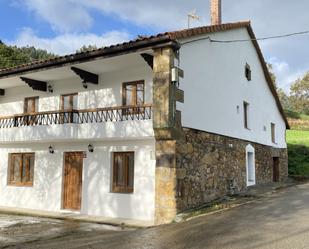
{"points": [[250, 165], [21, 169], [31, 105], [273, 132], [68, 103], [248, 72], [133, 93], [123, 172], [246, 113]]}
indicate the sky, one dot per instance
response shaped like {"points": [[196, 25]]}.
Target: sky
{"points": [[63, 26]]}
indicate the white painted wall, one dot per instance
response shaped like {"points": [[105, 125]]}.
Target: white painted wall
{"points": [[215, 84], [107, 93], [126, 130], [97, 198]]}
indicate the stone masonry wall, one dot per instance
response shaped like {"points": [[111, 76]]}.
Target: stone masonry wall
{"points": [[213, 166]]}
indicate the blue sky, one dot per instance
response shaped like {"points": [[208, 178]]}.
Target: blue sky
{"points": [[62, 26]]}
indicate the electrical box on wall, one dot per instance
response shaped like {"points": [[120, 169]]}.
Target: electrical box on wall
{"points": [[176, 74]]}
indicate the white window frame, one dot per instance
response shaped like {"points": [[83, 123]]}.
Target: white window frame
{"points": [[250, 166]]}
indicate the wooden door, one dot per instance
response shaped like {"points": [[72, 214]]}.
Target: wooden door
{"points": [[276, 169], [68, 104], [72, 186], [30, 107]]}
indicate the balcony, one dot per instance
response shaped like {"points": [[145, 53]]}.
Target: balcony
{"points": [[125, 122]]}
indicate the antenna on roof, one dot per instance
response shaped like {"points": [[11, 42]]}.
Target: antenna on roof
{"points": [[192, 15]]}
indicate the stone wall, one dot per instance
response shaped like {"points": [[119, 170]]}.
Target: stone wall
{"points": [[167, 128], [213, 166]]}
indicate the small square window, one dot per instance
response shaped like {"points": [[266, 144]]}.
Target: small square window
{"points": [[248, 72]]}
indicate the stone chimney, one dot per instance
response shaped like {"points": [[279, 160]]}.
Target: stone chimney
{"points": [[215, 12]]}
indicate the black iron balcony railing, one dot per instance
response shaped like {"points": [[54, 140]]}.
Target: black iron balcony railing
{"points": [[98, 115]]}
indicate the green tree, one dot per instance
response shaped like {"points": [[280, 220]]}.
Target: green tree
{"points": [[300, 94], [12, 56], [272, 74], [86, 48], [284, 99]]}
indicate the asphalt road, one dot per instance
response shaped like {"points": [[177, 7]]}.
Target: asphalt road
{"points": [[280, 221]]}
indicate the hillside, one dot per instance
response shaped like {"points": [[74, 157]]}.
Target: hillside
{"points": [[13, 56], [298, 144], [298, 121]]}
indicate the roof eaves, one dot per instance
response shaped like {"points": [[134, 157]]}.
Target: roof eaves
{"points": [[113, 50]]}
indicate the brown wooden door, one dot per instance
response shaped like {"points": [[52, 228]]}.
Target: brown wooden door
{"points": [[72, 187], [68, 103], [276, 169], [30, 107]]}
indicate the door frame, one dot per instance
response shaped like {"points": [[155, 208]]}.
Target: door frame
{"points": [[63, 182], [276, 169], [250, 166]]}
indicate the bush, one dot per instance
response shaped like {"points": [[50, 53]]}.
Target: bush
{"points": [[298, 159]]}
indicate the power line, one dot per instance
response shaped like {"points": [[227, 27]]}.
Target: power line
{"points": [[262, 38], [247, 40]]}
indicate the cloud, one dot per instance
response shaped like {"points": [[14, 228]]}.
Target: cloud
{"points": [[159, 14], [269, 18], [285, 75], [62, 15], [75, 15], [68, 43]]}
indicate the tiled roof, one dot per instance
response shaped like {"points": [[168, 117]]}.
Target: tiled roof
{"points": [[180, 34], [144, 42]]}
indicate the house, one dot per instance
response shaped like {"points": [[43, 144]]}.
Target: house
{"points": [[117, 132]]}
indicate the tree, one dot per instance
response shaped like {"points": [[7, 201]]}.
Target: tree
{"points": [[12, 56], [272, 74], [300, 94], [284, 99], [86, 48]]}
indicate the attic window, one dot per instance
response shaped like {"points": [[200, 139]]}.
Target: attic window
{"points": [[248, 72]]}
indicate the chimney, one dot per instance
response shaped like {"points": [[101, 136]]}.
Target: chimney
{"points": [[215, 12]]}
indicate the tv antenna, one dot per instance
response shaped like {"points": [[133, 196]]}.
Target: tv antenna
{"points": [[192, 16]]}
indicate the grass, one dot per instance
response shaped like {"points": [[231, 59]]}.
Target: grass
{"points": [[297, 137], [298, 150]]}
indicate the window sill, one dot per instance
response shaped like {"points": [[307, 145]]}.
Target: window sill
{"points": [[122, 191], [20, 185]]}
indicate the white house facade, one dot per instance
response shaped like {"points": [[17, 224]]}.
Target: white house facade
{"points": [[215, 77], [114, 133]]}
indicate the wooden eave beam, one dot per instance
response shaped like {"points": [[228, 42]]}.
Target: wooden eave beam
{"points": [[2, 92], [87, 77], [148, 58], [35, 84]]}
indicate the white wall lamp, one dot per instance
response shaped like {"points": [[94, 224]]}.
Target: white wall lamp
{"points": [[51, 149], [90, 148]]}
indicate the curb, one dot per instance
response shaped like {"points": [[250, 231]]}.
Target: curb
{"points": [[257, 197], [121, 225]]}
